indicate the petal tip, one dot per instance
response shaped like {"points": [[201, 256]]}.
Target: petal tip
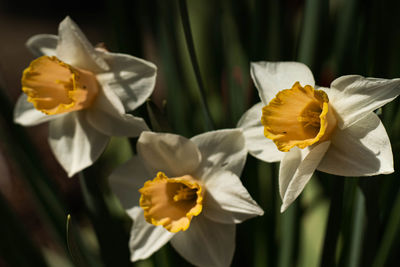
{"points": [[260, 211], [66, 20], [284, 208], [388, 171]]}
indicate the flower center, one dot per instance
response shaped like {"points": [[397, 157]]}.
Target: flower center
{"points": [[171, 202], [55, 87], [300, 116]]}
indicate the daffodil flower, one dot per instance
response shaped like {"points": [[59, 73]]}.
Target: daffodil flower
{"points": [[84, 94], [186, 191], [308, 128]]}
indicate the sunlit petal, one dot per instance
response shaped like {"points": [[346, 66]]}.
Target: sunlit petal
{"points": [[75, 143], [253, 131], [74, 48], [132, 79], [27, 115], [272, 77], [354, 97], [296, 169], [362, 149], [43, 44], [206, 243], [145, 237], [228, 201], [127, 179], [172, 154]]}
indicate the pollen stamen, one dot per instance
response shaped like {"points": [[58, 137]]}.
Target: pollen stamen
{"points": [[185, 193], [310, 118]]}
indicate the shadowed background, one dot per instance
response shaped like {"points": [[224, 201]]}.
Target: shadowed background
{"points": [[336, 222]]}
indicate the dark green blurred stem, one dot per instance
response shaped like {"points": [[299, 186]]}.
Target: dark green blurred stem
{"points": [[371, 187], [168, 42], [236, 64], [196, 68], [259, 30], [315, 13], [288, 239], [391, 231], [273, 212], [356, 230], [250, 236], [334, 219], [347, 18], [20, 149], [352, 224], [163, 257], [78, 252], [109, 225], [16, 248]]}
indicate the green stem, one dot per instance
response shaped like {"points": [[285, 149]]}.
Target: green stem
{"points": [[333, 227], [274, 212], [78, 251], [371, 188], [288, 231], [346, 28], [109, 227], [391, 231], [312, 24], [196, 68], [357, 230]]}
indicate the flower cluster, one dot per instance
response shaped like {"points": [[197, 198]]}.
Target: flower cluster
{"points": [[188, 191]]}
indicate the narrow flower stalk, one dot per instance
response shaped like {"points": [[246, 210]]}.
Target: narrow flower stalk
{"points": [[333, 227], [196, 68], [109, 228], [391, 231], [356, 238]]}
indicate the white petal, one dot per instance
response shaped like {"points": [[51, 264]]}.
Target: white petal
{"points": [[221, 150], [145, 238], [116, 124], [272, 77], [296, 169], [206, 243], [258, 145], [27, 115], [131, 78], [107, 115], [74, 48], [172, 154], [362, 149], [43, 44], [127, 179], [75, 143], [227, 200], [354, 97]]}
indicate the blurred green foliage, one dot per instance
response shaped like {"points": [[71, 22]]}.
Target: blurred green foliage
{"points": [[336, 222]]}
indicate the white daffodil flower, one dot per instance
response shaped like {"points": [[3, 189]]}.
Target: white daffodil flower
{"points": [[195, 199], [84, 94], [333, 130]]}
